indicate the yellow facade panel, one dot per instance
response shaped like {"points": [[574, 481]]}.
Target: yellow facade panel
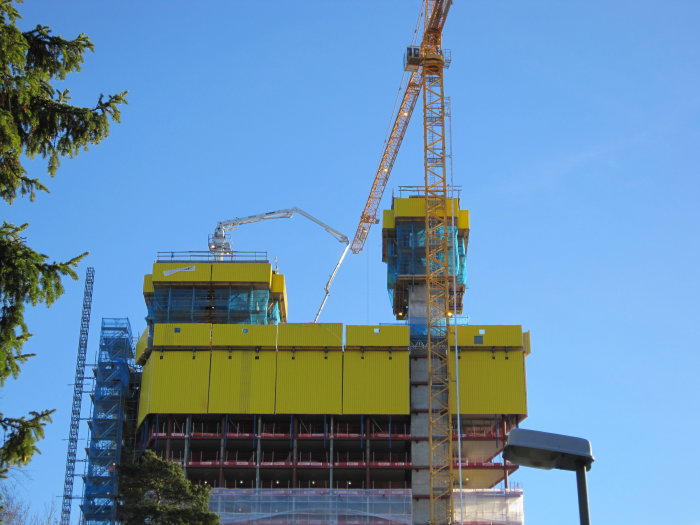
{"points": [[182, 334], [415, 207], [187, 271], [526, 342], [148, 283], [309, 382], [485, 336], [463, 220], [377, 336], [491, 382], [145, 393], [253, 272], [279, 288], [388, 220], [242, 382], [141, 345], [319, 335], [244, 335], [376, 382], [179, 382]]}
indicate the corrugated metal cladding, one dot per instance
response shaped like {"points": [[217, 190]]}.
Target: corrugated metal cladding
{"points": [[181, 272], [254, 272], [181, 334], [376, 382], [145, 394], [279, 290], [244, 335], [148, 283], [310, 335], [309, 382], [480, 336], [141, 345], [415, 208], [179, 382], [491, 382], [388, 220], [377, 336], [242, 382]]}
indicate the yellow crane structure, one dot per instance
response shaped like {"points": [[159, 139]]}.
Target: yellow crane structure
{"points": [[427, 63]]}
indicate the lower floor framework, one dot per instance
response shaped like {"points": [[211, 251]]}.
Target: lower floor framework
{"points": [[317, 452]]}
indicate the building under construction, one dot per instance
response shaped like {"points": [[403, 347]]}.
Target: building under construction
{"points": [[315, 423], [321, 422]]}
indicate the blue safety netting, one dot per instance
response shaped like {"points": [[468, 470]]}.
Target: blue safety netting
{"points": [[224, 305], [405, 255]]}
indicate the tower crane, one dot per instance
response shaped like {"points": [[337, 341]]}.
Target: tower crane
{"points": [[220, 245], [427, 63]]}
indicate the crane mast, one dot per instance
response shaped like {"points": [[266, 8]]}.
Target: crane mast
{"points": [[437, 279]]}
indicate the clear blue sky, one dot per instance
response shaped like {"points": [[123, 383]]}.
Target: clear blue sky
{"points": [[575, 135]]}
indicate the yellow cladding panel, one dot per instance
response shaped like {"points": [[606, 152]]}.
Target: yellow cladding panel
{"points": [[242, 382], [377, 336], [375, 382], [292, 335], [179, 382], [526, 342], [242, 272], [141, 345], [148, 283], [388, 220], [181, 334], [309, 382], [415, 207], [491, 382], [463, 220], [181, 272], [279, 288], [145, 395], [244, 335], [485, 336]]}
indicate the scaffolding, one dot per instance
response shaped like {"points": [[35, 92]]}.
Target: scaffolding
{"points": [[112, 374]]}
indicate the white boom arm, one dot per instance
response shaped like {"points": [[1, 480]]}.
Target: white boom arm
{"points": [[220, 246]]}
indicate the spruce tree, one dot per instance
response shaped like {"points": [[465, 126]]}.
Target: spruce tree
{"points": [[35, 119], [156, 491]]}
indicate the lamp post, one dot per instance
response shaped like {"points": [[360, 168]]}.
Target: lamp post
{"points": [[531, 448]]}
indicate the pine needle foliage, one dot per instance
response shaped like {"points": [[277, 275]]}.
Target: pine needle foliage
{"points": [[155, 491], [35, 119]]}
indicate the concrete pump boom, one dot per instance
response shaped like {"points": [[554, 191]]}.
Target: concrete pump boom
{"points": [[220, 246]]}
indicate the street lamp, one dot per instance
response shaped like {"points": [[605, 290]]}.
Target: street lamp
{"points": [[531, 448]]}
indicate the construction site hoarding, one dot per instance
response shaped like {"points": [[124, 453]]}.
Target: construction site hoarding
{"points": [[242, 272], [141, 345], [147, 283], [377, 336], [244, 335], [170, 335], [490, 382], [178, 383], [242, 382], [310, 335], [181, 272], [487, 336], [376, 382], [415, 208], [278, 289], [309, 381]]}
